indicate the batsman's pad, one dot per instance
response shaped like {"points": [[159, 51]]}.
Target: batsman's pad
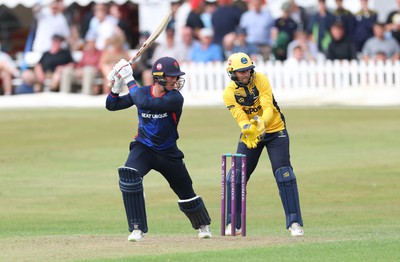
{"points": [[195, 210], [289, 194], [130, 183], [238, 186]]}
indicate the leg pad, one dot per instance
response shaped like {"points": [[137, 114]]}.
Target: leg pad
{"points": [[286, 181], [196, 211], [130, 183]]}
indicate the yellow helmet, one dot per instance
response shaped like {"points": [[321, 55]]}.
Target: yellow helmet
{"points": [[239, 62]]}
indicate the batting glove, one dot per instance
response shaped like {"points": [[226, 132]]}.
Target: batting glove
{"points": [[116, 82], [124, 70]]}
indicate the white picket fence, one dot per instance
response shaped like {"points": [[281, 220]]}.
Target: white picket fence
{"points": [[297, 81]]}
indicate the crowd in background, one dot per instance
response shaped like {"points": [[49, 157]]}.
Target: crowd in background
{"points": [[200, 31]]}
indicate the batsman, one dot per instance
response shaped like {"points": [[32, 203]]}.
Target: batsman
{"points": [[159, 108], [251, 102]]}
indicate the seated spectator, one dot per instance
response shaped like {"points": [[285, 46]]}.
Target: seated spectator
{"points": [[113, 52], [378, 43], [52, 63], [185, 44], [341, 47], [206, 51], [365, 19], [142, 69], [8, 69], [85, 70], [28, 83], [296, 57], [168, 47], [240, 44], [308, 47], [227, 44]]}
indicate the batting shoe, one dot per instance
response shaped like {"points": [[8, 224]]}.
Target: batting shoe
{"points": [[296, 230], [228, 230], [136, 235], [204, 232]]}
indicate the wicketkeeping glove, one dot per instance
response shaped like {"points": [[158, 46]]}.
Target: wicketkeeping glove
{"points": [[253, 132], [124, 70], [117, 82]]}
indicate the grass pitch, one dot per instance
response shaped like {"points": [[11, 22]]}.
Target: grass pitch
{"points": [[59, 195]]}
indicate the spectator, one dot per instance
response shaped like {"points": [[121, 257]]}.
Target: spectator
{"points": [[8, 69], [115, 11], [227, 44], [365, 19], [283, 32], [142, 69], [206, 51], [181, 15], [28, 83], [194, 20], [393, 22], [258, 24], [309, 49], [167, 48], [102, 26], [378, 43], [113, 52], [240, 45], [346, 17], [299, 15], [209, 9], [185, 45], [50, 21], [225, 19], [341, 47], [296, 56], [85, 70], [52, 63], [319, 26]]}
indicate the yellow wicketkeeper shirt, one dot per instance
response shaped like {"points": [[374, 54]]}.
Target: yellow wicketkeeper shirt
{"points": [[256, 99]]}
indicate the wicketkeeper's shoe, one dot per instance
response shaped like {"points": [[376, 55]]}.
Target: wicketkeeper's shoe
{"points": [[296, 230], [136, 235], [204, 232], [228, 230]]}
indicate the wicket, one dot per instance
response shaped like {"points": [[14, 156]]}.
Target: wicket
{"points": [[233, 193]]}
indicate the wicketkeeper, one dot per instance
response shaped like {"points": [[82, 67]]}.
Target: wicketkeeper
{"points": [[159, 108], [250, 100]]}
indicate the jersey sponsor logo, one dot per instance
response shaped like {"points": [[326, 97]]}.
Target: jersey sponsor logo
{"points": [[145, 115], [252, 110]]}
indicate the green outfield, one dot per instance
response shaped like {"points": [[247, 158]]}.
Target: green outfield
{"points": [[60, 201]]}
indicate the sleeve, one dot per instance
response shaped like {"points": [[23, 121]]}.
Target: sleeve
{"points": [[236, 110], [266, 98], [115, 103]]}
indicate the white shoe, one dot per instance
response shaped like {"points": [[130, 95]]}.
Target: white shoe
{"points": [[136, 235], [228, 231], [204, 232], [296, 230]]}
